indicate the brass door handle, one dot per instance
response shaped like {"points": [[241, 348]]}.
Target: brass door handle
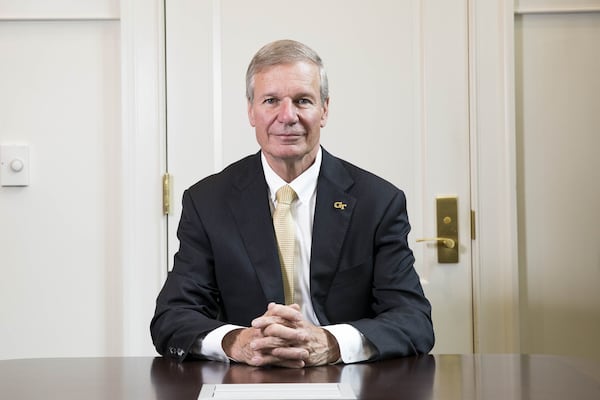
{"points": [[447, 229], [449, 243]]}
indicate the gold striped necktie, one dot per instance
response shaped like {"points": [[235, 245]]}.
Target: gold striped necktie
{"points": [[283, 223]]}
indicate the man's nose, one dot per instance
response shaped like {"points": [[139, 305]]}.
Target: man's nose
{"points": [[288, 113]]}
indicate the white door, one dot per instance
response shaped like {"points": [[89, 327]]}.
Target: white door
{"points": [[557, 64], [398, 74]]}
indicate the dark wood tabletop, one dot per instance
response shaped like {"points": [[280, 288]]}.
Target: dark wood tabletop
{"points": [[448, 377]]}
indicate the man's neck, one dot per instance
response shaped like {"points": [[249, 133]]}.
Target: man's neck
{"points": [[290, 169]]}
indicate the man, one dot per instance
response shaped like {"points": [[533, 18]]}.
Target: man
{"points": [[346, 271]]}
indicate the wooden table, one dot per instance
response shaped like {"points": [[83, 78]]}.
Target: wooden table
{"points": [[448, 377]]}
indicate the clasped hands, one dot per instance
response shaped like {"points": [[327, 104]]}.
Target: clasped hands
{"points": [[281, 337]]}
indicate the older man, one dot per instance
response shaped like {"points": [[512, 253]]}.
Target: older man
{"points": [[291, 256]]}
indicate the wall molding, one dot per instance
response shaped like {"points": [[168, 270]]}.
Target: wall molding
{"points": [[144, 162], [556, 7], [59, 10], [557, 10], [60, 19]]}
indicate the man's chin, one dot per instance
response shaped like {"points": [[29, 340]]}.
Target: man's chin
{"points": [[289, 152], [288, 140]]}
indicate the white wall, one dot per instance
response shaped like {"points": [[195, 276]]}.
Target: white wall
{"points": [[60, 241], [558, 139]]}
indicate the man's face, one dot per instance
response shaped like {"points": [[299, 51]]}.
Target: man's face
{"points": [[287, 112]]}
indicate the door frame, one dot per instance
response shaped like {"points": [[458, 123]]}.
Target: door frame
{"points": [[143, 144], [493, 172], [494, 176]]}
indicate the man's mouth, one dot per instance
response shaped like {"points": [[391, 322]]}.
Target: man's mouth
{"points": [[288, 134]]}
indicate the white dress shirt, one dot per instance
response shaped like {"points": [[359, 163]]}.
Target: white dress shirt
{"points": [[353, 345]]}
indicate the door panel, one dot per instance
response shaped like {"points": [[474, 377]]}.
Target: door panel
{"points": [[399, 108], [557, 64]]}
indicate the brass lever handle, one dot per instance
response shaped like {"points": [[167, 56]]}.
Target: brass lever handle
{"points": [[446, 235], [449, 243]]}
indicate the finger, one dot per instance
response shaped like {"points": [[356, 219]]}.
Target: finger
{"points": [[291, 313], [264, 321], [289, 334], [261, 360], [267, 344], [280, 335], [295, 306], [291, 353]]}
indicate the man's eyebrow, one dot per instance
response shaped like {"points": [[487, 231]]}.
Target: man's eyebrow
{"points": [[269, 94], [305, 94], [295, 96]]}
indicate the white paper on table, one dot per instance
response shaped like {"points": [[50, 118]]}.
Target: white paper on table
{"points": [[280, 391]]}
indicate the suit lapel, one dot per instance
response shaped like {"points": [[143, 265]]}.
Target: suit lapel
{"points": [[333, 212], [249, 205], [250, 208]]}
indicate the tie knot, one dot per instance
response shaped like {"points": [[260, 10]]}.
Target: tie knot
{"points": [[285, 195]]}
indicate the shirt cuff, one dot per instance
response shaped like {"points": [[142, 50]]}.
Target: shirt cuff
{"points": [[354, 347], [210, 347]]}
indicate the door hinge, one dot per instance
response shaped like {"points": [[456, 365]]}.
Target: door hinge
{"points": [[166, 180], [473, 236]]}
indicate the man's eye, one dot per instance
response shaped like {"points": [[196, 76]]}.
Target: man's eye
{"points": [[304, 101], [270, 100]]}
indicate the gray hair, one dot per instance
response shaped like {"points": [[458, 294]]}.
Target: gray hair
{"points": [[284, 52]]}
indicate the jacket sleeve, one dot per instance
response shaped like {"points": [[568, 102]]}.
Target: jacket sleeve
{"points": [[401, 324], [187, 307]]}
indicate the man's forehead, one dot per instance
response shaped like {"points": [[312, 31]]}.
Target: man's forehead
{"points": [[288, 75]]}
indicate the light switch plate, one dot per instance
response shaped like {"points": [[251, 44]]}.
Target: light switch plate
{"points": [[14, 165]]}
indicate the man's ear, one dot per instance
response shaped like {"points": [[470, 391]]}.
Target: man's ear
{"points": [[325, 114], [251, 114]]}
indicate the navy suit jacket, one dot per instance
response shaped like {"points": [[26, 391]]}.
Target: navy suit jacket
{"points": [[361, 269]]}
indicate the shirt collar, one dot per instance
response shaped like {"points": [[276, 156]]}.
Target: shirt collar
{"points": [[304, 185]]}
